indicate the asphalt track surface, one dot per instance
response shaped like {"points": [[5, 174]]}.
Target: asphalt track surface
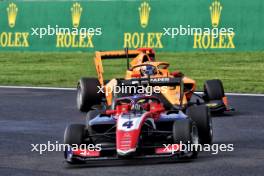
{"points": [[29, 116]]}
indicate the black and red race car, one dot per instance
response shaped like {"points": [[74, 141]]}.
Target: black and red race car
{"points": [[138, 126]]}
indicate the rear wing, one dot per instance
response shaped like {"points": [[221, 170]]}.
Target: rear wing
{"points": [[124, 53], [102, 55]]}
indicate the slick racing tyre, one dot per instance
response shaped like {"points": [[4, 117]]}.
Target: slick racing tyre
{"points": [[88, 93], [74, 134], [185, 131], [201, 116], [213, 90]]}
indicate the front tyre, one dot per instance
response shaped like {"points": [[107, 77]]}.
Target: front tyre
{"points": [[74, 135], [214, 90], [201, 116], [186, 132]]}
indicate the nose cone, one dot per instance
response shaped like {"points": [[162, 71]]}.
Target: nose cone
{"points": [[126, 142]]}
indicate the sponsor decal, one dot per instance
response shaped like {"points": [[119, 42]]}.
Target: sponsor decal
{"points": [[12, 14], [144, 12], [76, 40], [160, 79], [13, 39], [222, 39], [76, 14], [143, 39]]}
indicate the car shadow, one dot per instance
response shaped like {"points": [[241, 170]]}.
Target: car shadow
{"points": [[128, 162]]}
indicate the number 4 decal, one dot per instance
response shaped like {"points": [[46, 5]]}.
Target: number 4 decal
{"points": [[128, 124]]}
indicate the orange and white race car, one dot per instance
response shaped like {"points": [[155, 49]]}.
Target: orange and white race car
{"points": [[144, 71]]}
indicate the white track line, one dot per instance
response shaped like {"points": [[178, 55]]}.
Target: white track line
{"points": [[245, 94], [71, 89], [240, 94], [44, 88]]}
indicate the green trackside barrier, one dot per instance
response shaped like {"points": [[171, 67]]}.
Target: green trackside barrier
{"points": [[118, 24]]}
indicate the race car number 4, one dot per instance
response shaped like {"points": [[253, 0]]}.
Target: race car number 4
{"points": [[128, 124]]}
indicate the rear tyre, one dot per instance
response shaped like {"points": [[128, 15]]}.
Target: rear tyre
{"points": [[201, 116], [186, 132], [214, 90], [88, 93]]}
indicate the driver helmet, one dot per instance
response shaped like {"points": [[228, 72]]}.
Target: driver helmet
{"points": [[148, 70]]}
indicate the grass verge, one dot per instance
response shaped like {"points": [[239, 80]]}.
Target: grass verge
{"points": [[239, 71]]}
